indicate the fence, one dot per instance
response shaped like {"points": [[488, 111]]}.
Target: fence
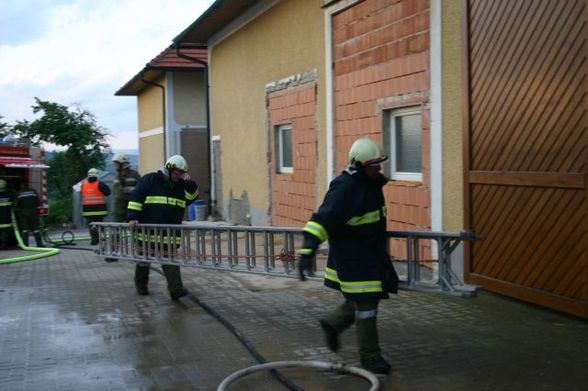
{"points": [[272, 250]]}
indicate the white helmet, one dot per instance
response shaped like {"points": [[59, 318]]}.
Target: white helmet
{"points": [[92, 172], [366, 152], [2, 184], [177, 162], [120, 157]]}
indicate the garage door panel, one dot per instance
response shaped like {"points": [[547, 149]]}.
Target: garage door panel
{"points": [[527, 150]]}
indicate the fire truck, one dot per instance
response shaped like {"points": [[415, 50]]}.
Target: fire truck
{"points": [[21, 162]]}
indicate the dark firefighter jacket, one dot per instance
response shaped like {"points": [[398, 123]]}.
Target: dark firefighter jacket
{"points": [[156, 200], [123, 186], [353, 219], [27, 201], [94, 195], [6, 200]]}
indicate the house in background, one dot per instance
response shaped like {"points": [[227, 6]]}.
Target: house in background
{"points": [[172, 112], [293, 84], [480, 105]]}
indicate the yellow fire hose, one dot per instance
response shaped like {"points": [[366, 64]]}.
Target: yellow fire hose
{"points": [[42, 252]]}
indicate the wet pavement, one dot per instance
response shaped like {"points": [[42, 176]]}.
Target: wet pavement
{"points": [[74, 322]]}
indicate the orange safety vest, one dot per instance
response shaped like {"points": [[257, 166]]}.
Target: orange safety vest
{"points": [[91, 194]]}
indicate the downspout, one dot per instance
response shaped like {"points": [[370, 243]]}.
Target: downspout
{"points": [[164, 116], [208, 135]]}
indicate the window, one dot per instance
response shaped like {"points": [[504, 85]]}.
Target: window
{"points": [[403, 143], [283, 141]]}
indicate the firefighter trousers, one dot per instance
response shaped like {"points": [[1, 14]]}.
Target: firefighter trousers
{"points": [[364, 315], [172, 275]]}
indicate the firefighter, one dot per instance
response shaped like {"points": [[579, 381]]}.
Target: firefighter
{"points": [[352, 218], [26, 208], [161, 197], [124, 184], [6, 200], [94, 208]]}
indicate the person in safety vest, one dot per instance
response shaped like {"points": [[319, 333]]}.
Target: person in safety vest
{"points": [[161, 197], [94, 208], [124, 184], [352, 217], [26, 208], [6, 201]]}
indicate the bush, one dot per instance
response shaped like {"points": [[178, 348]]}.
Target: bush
{"points": [[59, 211]]}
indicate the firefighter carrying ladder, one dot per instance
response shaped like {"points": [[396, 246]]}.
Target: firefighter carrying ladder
{"points": [[272, 251]]}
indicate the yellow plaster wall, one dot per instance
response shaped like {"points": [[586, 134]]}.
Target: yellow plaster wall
{"points": [[453, 101], [151, 154], [150, 102], [189, 98], [150, 112], [287, 40]]}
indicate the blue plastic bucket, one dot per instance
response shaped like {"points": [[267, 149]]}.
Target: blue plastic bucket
{"points": [[197, 211]]}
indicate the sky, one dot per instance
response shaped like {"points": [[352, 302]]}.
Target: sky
{"points": [[82, 52]]}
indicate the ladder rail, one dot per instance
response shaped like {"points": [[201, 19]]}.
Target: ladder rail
{"points": [[271, 250]]}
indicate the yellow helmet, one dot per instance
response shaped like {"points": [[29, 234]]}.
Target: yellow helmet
{"points": [[366, 152], [177, 162], [92, 172], [2, 184]]}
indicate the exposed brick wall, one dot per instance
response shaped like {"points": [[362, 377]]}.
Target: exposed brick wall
{"points": [[294, 194], [381, 54]]}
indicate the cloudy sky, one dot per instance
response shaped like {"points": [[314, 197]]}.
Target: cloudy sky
{"points": [[83, 51]]}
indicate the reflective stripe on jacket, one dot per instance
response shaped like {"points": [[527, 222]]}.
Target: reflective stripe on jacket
{"points": [[93, 200], [122, 188], [156, 200], [352, 218]]}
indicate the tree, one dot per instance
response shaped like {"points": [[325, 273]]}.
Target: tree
{"points": [[4, 128], [72, 127]]}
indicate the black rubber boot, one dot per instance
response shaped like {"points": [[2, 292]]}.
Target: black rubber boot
{"points": [[331, 336], [376, 365], [178, 293], [142, 278], [142, 290], [38, 239]]}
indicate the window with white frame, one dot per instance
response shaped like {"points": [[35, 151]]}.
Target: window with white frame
{"points": [[283, 141], [404, 143]]}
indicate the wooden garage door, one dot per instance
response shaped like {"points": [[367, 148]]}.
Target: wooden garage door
{"points": [[526, 161]]}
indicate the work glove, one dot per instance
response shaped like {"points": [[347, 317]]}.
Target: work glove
{"points": [[305, 266]]}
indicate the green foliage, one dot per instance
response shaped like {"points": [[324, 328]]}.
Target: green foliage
{"points": [[60, 211], [71, 127], [75, 128], [4, 128]]}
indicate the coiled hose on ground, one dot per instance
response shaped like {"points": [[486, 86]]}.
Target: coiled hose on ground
{"points": [[41, 251]]}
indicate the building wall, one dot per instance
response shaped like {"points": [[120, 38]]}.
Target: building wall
{"points": [[453, 103], [151, 138], [186, 125], [189, 95], [271, 47], [150, 108], [381, 54], [294, 194]]}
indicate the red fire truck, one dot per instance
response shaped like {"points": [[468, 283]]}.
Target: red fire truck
{"points": [[21, 162]]}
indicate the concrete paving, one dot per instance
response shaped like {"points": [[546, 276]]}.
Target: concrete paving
{"points": [[74, 322]]}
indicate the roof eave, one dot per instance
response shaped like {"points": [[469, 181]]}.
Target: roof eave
{"points": [[215, 18]]}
